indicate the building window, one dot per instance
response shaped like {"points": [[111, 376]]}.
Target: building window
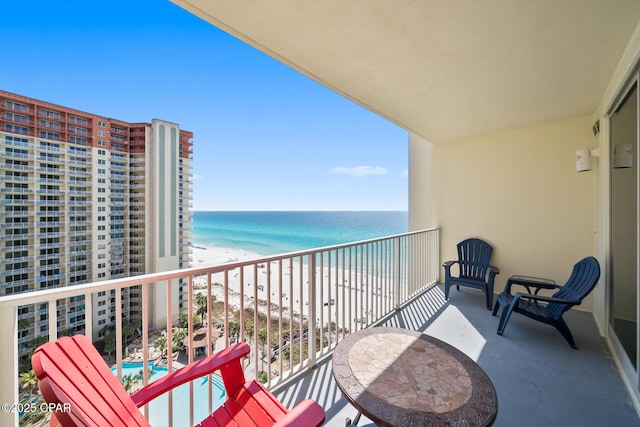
{"points": [[17, 129], [16, 106], [101, 143], [102, 152], [78, 140], [102, 171], [17, 118], [78, 121], [102, 133], [79, 131], [50, 114], [50, 125], [49, 135]]}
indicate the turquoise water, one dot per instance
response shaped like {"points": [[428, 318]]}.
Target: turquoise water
{"points": [[271, 233], [158, 411]]}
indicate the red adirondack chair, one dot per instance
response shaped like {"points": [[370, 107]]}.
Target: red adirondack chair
{"points": [[72, 374]]}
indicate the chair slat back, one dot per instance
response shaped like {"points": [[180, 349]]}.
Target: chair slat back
{"points": [[71, 371], [583, 279], [474, 258]]}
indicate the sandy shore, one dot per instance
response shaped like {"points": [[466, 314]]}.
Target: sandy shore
{"points": [[284, 284]]}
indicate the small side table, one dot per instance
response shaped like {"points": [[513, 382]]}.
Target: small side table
{"points": [[527, 281]]}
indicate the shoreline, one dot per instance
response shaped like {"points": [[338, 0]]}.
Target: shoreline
{"points": [[286, 288]]}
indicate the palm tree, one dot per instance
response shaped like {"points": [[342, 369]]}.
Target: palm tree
{"points": [[28, 381], [178, 338], [201, 302], [161, 344], [128, 381], [248, 327], [234, 329], [32, 418]]}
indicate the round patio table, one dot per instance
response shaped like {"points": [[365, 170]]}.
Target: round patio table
{"points": [[397, 377]]}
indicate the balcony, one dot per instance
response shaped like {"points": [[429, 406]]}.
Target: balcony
{"points": [[312, 299]]}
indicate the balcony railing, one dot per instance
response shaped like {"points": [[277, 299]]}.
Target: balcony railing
{"points": [[292, 309]]}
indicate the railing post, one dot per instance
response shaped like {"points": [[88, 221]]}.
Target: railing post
{"points": [[398, 274], [9, 362], [312, 310]]}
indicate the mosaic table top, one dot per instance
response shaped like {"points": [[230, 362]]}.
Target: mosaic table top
{"points": [[398, 377]]}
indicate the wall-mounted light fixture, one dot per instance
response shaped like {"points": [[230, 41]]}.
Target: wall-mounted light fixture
{"points": [[622, 157], [584, 159]]}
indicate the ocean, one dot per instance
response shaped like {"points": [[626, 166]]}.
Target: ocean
{"points": [[270, 232]]}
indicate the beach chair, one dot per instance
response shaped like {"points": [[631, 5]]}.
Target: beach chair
{"points": [[548, 309], [475, 271], [73, 376]]}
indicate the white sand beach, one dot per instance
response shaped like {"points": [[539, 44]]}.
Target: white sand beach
{"points": [[284, 285]]}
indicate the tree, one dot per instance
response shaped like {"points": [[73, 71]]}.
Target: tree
{"points": [[28, 381], [263, 377], [201, 302], [109, 342], [183, 320], [128, 381], [161, 344], [248, 327], [234, 329], [30, 418], [178, 337], [262, 336]]}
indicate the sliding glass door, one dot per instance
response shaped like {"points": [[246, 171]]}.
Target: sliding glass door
{"points": [[624, 228]]}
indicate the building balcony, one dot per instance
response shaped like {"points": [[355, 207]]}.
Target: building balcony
{"points": [[320, 296]]}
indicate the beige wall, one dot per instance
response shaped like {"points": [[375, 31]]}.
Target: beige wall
{"points": [[518, 190]]}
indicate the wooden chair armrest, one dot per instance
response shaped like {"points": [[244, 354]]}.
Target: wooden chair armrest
{"points": [[493, 269], [448, 264], [191, 372], [543, 298], [305, 414]]}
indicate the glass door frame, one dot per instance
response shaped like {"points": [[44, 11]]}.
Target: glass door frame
{"points": [[629, 373]]}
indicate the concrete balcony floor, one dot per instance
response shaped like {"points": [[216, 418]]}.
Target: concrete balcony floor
{"points": [[540, 380]]}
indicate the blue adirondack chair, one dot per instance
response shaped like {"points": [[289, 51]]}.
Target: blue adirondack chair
{"points": [[475, 270], [549, 310]]}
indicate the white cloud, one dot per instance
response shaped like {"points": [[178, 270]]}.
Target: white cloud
{"points": [[360, 170]]}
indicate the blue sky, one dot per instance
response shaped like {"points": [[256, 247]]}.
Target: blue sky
{"points": [[265, 137]]}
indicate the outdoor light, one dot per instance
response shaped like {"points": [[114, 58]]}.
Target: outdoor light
{"points": [[622, 157], [584, 161]]}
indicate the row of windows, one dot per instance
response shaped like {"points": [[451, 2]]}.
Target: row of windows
{"points": [[11, 105], [17, 118]]}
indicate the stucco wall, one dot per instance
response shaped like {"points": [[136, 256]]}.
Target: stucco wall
{"points": [[518, 190]]}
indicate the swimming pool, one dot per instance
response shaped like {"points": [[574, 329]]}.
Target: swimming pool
{"points": [[158, 408]]}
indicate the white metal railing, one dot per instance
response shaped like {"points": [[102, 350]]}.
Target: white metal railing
{"points": [[291, 308]]}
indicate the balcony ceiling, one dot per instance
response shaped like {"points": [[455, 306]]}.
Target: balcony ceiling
{"points": [[446, 70]]}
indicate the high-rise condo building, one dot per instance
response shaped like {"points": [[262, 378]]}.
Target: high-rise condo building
{"points": [[86, 198]]}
